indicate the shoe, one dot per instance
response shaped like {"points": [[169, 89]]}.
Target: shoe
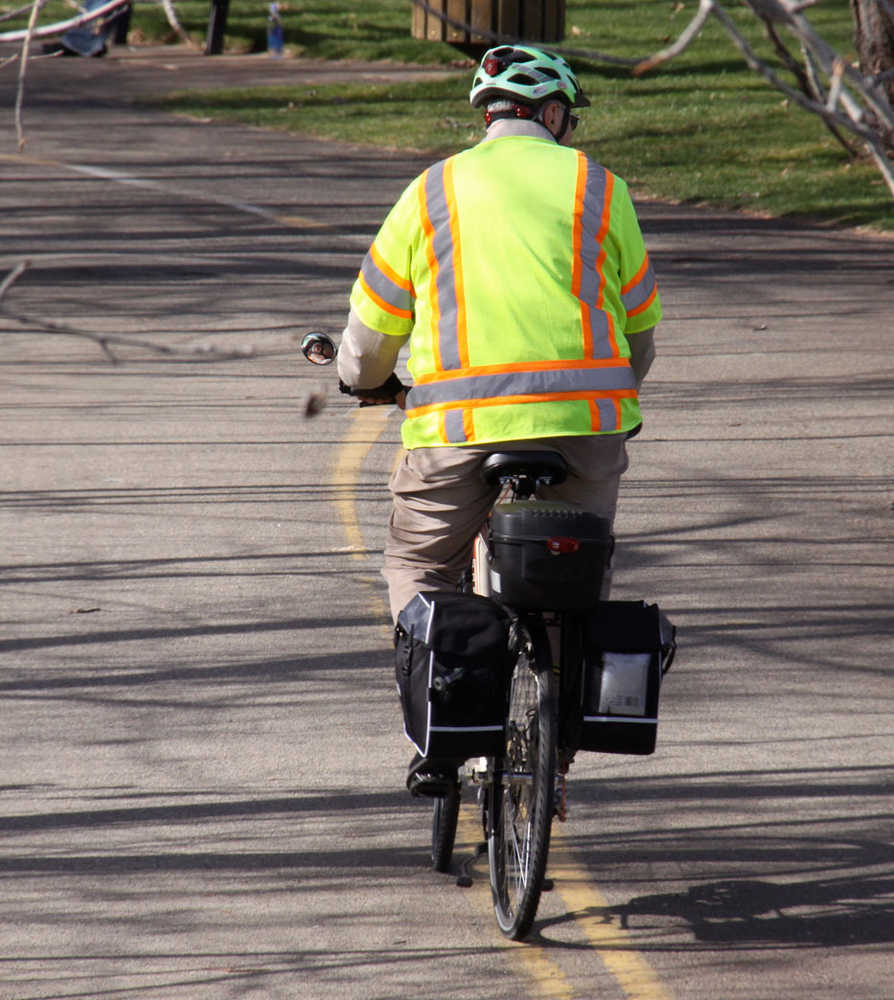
{"points": [[430, 778]]}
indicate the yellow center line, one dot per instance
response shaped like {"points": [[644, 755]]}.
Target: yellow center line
{"points": [[614, 945], [364, 429], [545, 975]]}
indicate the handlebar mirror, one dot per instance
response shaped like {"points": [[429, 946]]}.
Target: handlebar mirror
{"points": [[318, 348]]}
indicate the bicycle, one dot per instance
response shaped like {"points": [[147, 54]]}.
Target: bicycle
{"points": [[521, 792], [568, 689]]}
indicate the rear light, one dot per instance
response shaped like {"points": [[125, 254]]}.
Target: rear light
{"points": [[562, 545]]}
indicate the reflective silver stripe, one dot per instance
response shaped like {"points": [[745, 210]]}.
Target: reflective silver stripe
{"points": [[590, 282], [469, 729], [624, 719], [454, 427], [442, 246], [536, 383], [641, 292], [384, 287], [608, 415]]}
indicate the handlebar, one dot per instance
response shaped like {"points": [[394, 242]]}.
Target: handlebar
{"points": [[320, 349]]}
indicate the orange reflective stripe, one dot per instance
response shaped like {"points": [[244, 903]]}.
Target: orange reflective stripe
{"points": [[381, 303], [469, 424], [645, 305], [577, 264], [462, 336], [432, 261], [600, 260], [389, 271], [605, 415], [637, 278], [578, 248], [442, 428], [592, 216]]}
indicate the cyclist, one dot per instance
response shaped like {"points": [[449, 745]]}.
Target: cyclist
{"points": [[517, 272]]}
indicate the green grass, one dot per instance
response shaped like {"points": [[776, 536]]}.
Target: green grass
{"points": [[705, 129]]}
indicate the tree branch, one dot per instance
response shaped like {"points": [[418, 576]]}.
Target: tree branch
{"points": [[13, 277], [690, 32], [171, 15], [105, 340], [60, 27], [23, 62], [865, 110]]}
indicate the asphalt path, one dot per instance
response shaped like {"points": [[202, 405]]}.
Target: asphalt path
{"points": [[202, 783]]}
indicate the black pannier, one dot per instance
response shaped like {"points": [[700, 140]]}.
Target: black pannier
{"points": [[452, 665], [547, 557], [629, 646]]}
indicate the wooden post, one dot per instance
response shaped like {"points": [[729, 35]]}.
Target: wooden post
{"points": [[516, 20], [217, 26]]}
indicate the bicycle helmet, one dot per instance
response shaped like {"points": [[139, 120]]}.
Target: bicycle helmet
{"points": [[523, 73]]}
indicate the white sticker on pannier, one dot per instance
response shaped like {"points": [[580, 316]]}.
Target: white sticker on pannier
{"points": [[625, 680]]}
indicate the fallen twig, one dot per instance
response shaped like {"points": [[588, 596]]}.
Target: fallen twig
{"points": [[13, 276], [106, 340]]}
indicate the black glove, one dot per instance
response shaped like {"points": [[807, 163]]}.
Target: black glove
{"points": [[385, 393]]}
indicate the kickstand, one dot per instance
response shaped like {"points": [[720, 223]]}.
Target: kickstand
{"points": [[464, 879]]}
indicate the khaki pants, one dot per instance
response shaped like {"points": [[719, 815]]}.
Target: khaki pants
{"points": [[440, 503]]}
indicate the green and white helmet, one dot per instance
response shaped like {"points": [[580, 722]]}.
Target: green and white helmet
{"points": [[523, 73]]}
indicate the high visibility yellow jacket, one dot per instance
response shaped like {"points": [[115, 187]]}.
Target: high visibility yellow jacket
{"points": [[517, 267]]}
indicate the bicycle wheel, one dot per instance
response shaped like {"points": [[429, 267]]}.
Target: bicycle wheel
{"points": [[444, 817], [522, 797]]}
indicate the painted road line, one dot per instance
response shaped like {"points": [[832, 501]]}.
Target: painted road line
{"points": [[588, 906], [365, 427], [188, 194], [545, 976]]}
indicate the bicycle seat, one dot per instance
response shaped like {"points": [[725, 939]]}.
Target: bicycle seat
{"points": [[547, 466]]}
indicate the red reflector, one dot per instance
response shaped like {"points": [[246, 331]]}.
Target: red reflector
{"points": [[491, 66], [560, 546]]}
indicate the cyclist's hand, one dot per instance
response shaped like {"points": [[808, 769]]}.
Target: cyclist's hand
{"points": [[391, 391]]}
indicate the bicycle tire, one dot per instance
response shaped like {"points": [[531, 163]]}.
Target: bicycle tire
{"points": [[444, 817], [523, 792]]}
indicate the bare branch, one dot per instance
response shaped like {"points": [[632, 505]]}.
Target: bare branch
{"points": [[106, 341], [850, 102], [171, 15], [689, 33], [23, 63], [835, 86], [13, 276], [10, 14], [60, 27]]}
